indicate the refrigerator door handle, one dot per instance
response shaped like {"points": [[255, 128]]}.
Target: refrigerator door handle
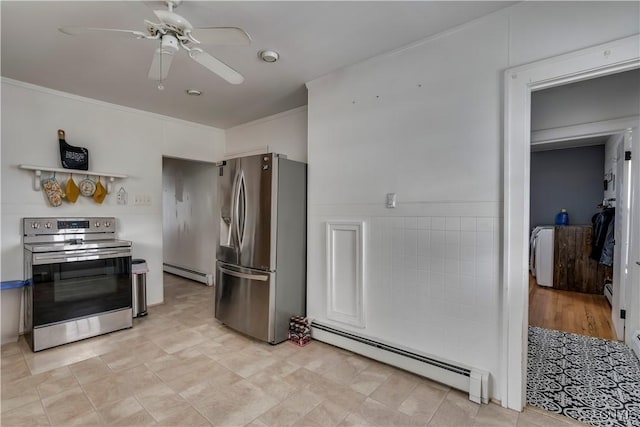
{"points": [[240, 201], [243, 199], [260, 277], [234, 206]]}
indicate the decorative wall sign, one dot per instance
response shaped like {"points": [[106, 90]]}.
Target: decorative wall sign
{"points": [[72, 157]]}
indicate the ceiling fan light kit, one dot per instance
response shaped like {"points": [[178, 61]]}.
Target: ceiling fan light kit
{"points": [[175, 32]]}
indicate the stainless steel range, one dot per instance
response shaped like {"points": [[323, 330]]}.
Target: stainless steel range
{"points": [[79, 280]]}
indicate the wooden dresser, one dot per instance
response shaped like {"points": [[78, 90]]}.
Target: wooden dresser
{"points": [[573, 269]]}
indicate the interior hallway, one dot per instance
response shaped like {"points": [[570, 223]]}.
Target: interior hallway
{"points": [[179, 367]]}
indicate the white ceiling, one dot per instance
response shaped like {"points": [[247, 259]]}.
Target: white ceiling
{"points": [[313, 38]]}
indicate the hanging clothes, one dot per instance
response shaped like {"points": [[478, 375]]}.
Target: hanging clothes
{"points": [[603, 236]]}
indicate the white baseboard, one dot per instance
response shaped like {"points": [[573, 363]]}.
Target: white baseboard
{"points": [[188, 273], [472, 380]]}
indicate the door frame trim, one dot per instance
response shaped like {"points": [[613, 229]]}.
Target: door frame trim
{"points": [[597, 61]]}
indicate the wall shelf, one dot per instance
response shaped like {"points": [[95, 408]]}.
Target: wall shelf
{"points": [[37, 173]]}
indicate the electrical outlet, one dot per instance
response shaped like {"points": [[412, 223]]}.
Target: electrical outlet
{"points": [[142, 200]]}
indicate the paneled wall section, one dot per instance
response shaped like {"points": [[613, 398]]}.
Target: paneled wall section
{"points": [[345, 267], [428, 280]]}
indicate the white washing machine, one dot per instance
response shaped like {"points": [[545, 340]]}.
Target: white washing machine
{"points": [[541, 256]]}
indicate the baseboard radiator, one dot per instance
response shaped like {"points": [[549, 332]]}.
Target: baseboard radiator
{"points": [[471, 380], [189, 273]]}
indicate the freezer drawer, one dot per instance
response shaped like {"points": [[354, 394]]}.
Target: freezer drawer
{"points": [[244, 300]]}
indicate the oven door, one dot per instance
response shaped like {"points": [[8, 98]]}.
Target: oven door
{"points": [[72, 284]]}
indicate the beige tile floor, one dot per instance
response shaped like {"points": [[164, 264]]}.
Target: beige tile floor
{"points": [[180, 367]]}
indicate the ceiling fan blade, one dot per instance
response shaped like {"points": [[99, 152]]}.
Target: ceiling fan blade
{"points": [[160, 65], [80, 31], [217, 66], [221, 35]]}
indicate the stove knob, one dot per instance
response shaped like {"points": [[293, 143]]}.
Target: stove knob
{"points": [[35, 225], [47, 225], [97, 224], [107, 224]]}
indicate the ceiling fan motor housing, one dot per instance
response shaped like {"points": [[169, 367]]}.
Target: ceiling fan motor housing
{"points": [[170, 42]]}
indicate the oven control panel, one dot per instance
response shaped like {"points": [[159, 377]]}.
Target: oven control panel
{"points": [[38, 226]]}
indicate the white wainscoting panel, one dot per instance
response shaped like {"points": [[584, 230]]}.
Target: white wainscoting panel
{"points": [[431, 281], [345, 272]]}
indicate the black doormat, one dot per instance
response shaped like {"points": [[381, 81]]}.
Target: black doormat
{"points": [[591, 380]]}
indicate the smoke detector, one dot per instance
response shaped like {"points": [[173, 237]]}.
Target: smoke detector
{"points": [[268, 55]]}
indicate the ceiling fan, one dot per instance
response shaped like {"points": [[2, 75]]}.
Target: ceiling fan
{"points": [[175, 32]]}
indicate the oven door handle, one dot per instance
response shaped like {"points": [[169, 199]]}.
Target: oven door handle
{"points": [[73, 256]]}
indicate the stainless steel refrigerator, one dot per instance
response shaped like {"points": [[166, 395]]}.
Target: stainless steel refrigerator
{"points": [[261, 255]]}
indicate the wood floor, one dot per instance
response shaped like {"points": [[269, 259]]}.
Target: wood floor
{"points": [[575, 312]]}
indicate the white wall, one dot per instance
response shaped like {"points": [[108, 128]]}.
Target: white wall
{"points": [[426, 122], [283, 133], [189, 199], [120, 140]]}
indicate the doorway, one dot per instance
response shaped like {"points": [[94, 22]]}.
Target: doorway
{"points": [[572, 341], [573, 153], [618, 56], [566, 282], [189, 231]]}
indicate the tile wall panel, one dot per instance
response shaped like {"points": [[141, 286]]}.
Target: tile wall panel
{"points": [[432, 284]]}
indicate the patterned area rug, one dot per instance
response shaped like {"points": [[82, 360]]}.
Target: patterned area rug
{"points": [[591, 380]]}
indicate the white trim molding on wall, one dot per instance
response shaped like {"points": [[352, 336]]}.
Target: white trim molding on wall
{"points": [[345, 272], [264, 149], [93, 101], [609, 58], [584, 130]]}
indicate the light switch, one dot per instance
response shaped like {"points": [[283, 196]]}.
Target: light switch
{"points": [[391, 200]]}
